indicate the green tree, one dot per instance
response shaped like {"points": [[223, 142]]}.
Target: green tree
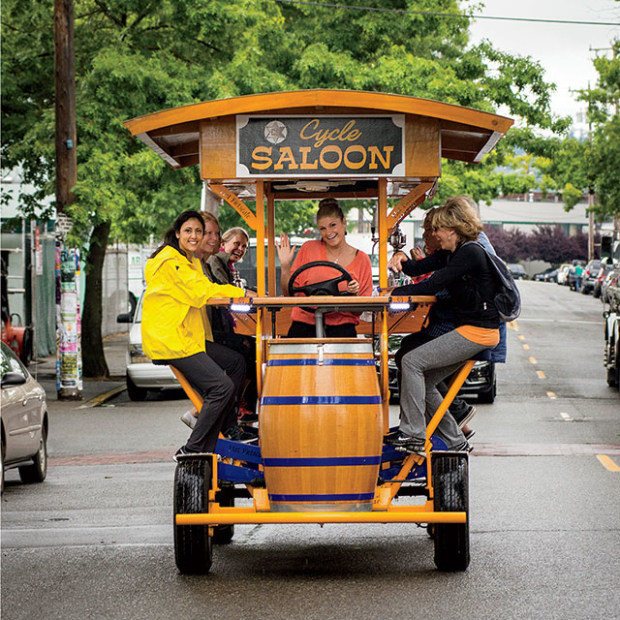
{"points": [[136, 57]]}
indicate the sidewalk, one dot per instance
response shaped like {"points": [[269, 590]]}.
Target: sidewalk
{"points": [[114, 348]]}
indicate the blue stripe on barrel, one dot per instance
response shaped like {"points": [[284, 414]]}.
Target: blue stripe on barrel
{"points": [[320, 400], [342, 461], [325, 362]]}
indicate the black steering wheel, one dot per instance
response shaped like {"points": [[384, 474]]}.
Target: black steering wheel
{"points": [[327, 287]]}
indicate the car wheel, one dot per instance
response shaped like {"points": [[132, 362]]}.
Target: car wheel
{"points": [[38, 470], [26, 354], [2, 450], [134, 392], [488, 396]]}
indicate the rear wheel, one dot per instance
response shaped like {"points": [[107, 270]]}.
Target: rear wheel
{"points": [[193, 549], [134, 392], [223, 534], [451, 487], [36, 472]]}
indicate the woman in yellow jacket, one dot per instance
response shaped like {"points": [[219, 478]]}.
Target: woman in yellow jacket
{"points": [[175, 327]]}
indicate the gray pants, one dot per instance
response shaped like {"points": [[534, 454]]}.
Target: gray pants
{"points": [[422, 369]]}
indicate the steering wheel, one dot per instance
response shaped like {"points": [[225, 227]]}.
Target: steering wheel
{"points": [[326, 287]]}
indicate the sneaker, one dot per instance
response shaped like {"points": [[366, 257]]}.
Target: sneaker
{"points": [[234, 433], [189, 419], [466, 416], [183, 451], [405, 443], [462, 447], [247, 417], [470, 434]]}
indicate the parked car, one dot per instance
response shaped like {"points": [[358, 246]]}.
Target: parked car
{"points": [[548, 275], [612, 330], [599, 279], [610, 284], [517, 271], [590, 273], [481, 382], [23, 420], [142, 374]]}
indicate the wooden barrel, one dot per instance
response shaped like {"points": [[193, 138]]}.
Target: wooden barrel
{"points": [[320, 426]]}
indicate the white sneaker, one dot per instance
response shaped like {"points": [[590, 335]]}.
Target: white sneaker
{"points": [[189, 419]]}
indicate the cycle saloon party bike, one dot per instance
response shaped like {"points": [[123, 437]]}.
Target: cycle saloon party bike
{"points": [[323, 403]]}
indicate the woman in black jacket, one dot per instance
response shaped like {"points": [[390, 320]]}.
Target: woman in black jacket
{"points": [[463, 270]]}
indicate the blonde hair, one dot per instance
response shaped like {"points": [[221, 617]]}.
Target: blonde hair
{"points": [[233, 232], [209, 217], [458, 214]]}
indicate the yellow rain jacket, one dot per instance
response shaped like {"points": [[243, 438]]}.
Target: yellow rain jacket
{"points": [[174, 321]]}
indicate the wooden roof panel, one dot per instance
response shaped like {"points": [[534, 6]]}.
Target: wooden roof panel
{"points": [[466, 134]]}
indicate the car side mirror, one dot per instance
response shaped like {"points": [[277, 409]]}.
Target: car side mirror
{"points": [[126, 317], [13, 378]]}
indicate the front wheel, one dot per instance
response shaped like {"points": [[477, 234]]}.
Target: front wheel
{"points": [[134, 392], [193, 546], [451, 486], [36, 472]]}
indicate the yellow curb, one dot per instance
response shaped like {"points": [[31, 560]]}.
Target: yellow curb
{"points": [[99, 400]]}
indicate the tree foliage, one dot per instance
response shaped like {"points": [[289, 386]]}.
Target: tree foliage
{"points": [[135, 57]]}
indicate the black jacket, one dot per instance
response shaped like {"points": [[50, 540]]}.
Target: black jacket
{"points": [[466, 274]]}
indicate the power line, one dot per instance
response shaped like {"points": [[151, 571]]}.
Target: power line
{"points": [[460, 15]]}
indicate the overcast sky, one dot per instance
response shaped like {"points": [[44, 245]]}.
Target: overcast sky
{"points": [[562, 49]]}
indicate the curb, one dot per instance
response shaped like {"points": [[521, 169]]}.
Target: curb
{"points": [[102, 398]]}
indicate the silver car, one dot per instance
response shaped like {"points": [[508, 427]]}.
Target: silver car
{"points": [[142, 374], [24, 420]]}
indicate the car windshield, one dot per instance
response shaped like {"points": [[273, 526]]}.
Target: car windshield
{"points": [[9, 362]]}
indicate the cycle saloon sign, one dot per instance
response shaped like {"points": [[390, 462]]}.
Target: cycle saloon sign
{"points": [[319, 146]]}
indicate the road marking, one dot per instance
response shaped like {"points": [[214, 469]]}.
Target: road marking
{"points": [[607, 463], [513, 325], [551, 395], [99, 400], [541, 374], [526, 347], [533, 360], [520, 337], [566, 417]]}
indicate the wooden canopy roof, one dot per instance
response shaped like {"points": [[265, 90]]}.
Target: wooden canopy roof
{"points": [[465, 134]]}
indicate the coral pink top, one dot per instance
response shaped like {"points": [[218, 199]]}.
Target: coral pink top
{"points": [[359, 268]]}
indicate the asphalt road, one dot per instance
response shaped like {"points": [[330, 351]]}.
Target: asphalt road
{"points": [[95, 540]]}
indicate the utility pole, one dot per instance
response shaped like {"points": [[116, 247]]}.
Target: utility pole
{"points": [[68, 341]]}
